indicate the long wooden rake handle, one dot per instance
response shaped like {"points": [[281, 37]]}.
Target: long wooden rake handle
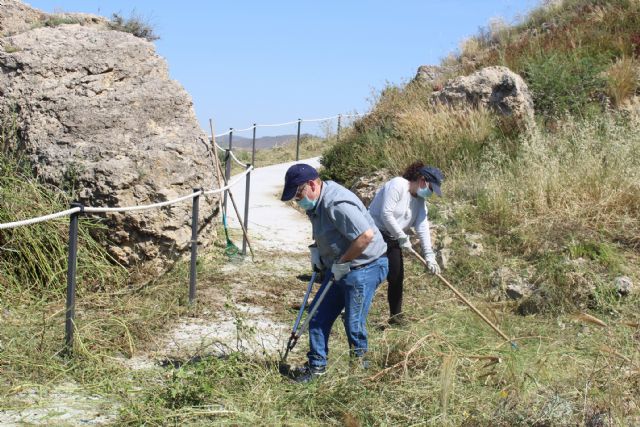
{"points": [[466, 301]]}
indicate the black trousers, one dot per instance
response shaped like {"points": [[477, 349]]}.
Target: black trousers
{"points": [[395, 277]]}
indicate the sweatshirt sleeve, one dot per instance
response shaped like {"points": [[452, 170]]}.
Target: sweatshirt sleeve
{"points": [[392, 195], [423, 232]]}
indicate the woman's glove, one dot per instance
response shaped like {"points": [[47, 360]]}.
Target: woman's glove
{"points": [[432, 264], [340, 269], [405, 243]]}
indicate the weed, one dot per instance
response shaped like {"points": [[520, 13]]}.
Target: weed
{"points": [[57, 20], [11, 48], [622, 80], [135, 24]]}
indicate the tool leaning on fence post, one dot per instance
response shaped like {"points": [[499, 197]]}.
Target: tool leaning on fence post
{"points": [[464, 300], [233, 201]]}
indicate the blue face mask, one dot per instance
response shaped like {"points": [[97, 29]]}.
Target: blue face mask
{"points": [[306, 204], [424, 192]]}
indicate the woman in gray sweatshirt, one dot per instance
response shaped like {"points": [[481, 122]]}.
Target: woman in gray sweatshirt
{"points": [[397, 206]]}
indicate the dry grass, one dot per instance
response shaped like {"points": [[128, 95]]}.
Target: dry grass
{"points": [[586, 177], [439, 134], [623, 79]]}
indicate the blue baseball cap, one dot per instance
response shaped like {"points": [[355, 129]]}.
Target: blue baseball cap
{"points": [[434, 176], [296, 175]]}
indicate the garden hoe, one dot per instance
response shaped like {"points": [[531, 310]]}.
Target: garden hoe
{"points": [[464, 300], [298, 330]]}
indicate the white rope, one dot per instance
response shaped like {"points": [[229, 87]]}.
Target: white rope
{"points": [[245, 129], [220, 148], [168, 202], [320, 120], [289, 123], [277, 124], [231, 184], [233, 156], [89, 209], [243, 164], [39, 219]]}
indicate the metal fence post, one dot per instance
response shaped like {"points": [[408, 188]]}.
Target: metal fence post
{"points": [[227, 168], [298, 141], [246, 210], [72, 262], [338, 133], [194, 246], [253, 146]]}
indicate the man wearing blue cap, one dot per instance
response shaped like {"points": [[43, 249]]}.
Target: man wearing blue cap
{"points": [[351, 246], [397, 206]]}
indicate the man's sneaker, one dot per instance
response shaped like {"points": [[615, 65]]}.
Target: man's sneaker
{"points": [[309, 373]]}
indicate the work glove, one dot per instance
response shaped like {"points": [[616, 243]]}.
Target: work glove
{"points": [[316, 261], [432, 264], [340, 269], [405, 244]]}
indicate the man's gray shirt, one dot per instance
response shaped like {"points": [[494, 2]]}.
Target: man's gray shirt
{"points": [[337, 220]]}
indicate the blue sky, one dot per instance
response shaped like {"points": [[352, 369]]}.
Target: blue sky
{"points": [[276, 61]]}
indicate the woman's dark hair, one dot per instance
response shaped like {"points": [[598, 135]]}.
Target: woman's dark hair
{"points": [[412, 172]]}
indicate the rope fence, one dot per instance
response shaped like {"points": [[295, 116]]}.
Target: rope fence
{"points": [[77, 209]]}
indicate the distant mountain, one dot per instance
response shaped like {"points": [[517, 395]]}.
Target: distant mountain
{"points": [[264, 142]]}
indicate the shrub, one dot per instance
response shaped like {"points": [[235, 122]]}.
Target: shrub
{"points": [[565, 83], [135, 25]]}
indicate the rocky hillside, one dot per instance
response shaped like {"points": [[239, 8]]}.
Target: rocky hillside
{"points": [[536, 127], [97, 116]]}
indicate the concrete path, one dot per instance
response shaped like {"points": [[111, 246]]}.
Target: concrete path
{"points": [[273, 225]]}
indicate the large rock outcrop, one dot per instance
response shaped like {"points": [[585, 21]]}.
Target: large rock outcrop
{"points": [[496, 88], [434, 75], [96, 111], [366, 187]]}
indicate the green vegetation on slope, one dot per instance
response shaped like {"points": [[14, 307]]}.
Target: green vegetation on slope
{"points": [[532, 193]]}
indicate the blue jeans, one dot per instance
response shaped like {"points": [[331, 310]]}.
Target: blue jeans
{"points": [[354, 293]]}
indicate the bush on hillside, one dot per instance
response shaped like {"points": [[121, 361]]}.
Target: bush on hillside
{"points": [[135, 24], [565, 84]]}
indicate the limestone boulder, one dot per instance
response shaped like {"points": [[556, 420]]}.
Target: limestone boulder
{"points": [[98, 115], [16, 17], [496, 88], [366, 187], [434, 75]]}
